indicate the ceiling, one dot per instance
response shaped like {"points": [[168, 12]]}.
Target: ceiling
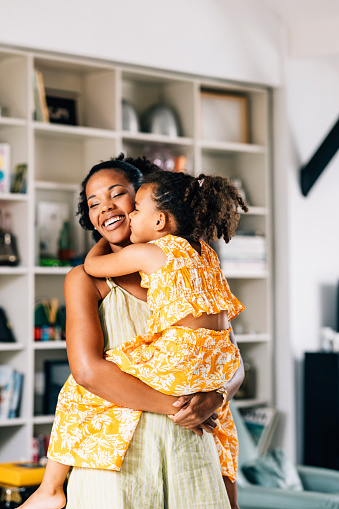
{"points": [[295, 12]]}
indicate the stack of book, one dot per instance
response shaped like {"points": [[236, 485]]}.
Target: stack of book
{"points": [[246, 252], [11, 382]]}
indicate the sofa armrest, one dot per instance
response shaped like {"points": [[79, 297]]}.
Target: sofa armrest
{"points": [[258, 497], [323, 480]]}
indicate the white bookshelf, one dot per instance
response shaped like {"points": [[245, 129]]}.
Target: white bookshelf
{"points": [[59, 157]]}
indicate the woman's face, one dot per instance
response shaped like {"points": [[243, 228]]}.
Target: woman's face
{"points": [[110, 198]]}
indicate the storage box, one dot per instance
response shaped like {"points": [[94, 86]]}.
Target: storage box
{"points": [[21, 474]]}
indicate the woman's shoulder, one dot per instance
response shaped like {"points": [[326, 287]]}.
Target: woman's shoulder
{"points": [[80, 281]]}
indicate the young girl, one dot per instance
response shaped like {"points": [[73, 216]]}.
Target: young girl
{"points": [[188, 348]]}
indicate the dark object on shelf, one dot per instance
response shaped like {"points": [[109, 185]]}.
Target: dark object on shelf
{"points": [[62, 109], [6, 332], [56, 374], [321, 409], [8, 250], [13, 496], [130, 119], [311, 171], [161, 119]]}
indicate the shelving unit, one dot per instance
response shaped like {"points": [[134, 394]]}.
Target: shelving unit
{"points": [[59, 157]]}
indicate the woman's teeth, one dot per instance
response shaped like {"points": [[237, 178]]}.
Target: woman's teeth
{"points": [[112, 220]]}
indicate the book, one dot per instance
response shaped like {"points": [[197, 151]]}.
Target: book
{"points": [[6, 390], [261, 423], [21, 474], [19, 179], [40, 103], [42, 97], [5, 167], [15, 403], [11, 385]]}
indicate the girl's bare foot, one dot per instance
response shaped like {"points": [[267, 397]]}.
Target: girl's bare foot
{"points": [[43, 498]]}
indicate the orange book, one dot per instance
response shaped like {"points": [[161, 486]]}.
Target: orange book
{"points": [[21, 474]]}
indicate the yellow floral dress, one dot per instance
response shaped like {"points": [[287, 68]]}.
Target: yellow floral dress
{"points": [[89, 431]]}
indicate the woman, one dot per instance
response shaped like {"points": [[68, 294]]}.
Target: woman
{"points": [[166, 465]]}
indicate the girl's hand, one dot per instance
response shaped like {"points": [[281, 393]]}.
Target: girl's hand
{"points": [[197, 411]]}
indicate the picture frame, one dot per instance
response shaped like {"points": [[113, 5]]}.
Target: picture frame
{"points": [[225, 116], [56, 373], [62, 107]]}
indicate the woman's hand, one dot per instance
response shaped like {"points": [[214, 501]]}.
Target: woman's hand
{"points": [[197, 411]]}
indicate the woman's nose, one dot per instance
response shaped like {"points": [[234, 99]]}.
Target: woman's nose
{"points": [[108, 205], [131, 214]]}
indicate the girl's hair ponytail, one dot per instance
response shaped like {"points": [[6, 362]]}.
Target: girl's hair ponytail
{"points": [[203, 206]]}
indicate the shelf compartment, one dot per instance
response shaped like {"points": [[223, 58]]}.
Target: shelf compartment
{"points": [[250, 168], [14, 298], [67, 159], [93, 87], [14, 93], [146, 89]]}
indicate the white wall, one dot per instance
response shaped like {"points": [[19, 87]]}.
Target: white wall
{"points": [[237, 39], [313, 104]]}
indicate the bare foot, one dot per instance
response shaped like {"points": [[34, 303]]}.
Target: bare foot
{"points": [[44, 499]]}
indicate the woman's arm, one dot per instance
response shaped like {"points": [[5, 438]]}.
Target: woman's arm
{"points": [[85, 346], [133, 258]]}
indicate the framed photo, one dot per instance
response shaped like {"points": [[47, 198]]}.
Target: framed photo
{"points": [[56, 374], [224, 117], [62, 107]]}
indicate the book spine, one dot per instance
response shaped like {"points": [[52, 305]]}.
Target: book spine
{"points": [[5, 167]]}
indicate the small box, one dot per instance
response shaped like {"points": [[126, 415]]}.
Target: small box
{"points": [[5, 167], [21, 474]]}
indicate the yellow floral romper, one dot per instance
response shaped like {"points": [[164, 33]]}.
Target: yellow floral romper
{"points": [[91, 432]]}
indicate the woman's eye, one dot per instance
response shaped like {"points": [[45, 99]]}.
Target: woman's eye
{"points": [[93, 205], [116, 195]]}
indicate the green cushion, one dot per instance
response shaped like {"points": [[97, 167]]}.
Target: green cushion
{"points": [[273, 470]]}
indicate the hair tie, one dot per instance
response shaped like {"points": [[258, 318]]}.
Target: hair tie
{"points": [[200, 182]]}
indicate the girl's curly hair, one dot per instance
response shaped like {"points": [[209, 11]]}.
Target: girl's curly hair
{"points": [[133, 169], [205, 206]]}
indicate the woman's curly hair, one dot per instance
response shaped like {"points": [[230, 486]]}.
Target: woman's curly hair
{"points": [[133, 169], [203, 206]]}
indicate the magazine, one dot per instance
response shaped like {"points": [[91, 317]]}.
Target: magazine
{"points": [[261, 423]]}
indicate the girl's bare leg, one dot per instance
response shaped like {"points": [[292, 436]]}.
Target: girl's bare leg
{"points": [[231, 488], [50, 494]]}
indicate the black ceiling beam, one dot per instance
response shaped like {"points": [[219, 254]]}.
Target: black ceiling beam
{"points": [[310, 172]]}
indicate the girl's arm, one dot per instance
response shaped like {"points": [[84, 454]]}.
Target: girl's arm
{"points": [[133, 258]]}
